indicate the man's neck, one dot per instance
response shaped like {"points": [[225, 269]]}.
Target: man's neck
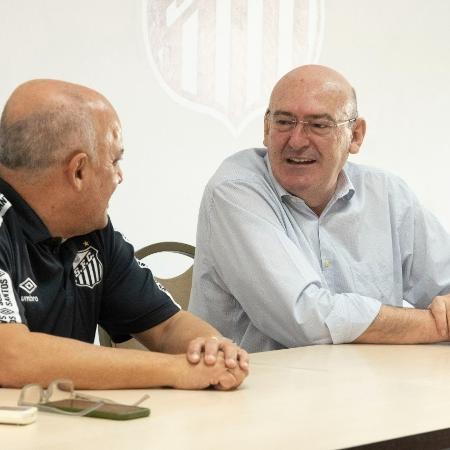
{"points": [[39, 193]]}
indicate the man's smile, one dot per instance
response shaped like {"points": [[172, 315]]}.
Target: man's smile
{"points": [[300, 161]]}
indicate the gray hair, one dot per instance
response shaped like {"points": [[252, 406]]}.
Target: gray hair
{"points": [[353, 105], [45, 138]]}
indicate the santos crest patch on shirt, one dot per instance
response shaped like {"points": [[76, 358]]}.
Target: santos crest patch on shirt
{"points": [[87, 268]]}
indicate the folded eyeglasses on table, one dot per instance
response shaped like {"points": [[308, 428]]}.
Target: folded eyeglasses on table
{"points": [[57, 390]]}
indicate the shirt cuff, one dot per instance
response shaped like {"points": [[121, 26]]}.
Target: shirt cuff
{"points": [[352, 314]]}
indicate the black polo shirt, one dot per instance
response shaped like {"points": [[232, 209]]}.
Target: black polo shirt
{"points": [[67, 288]]}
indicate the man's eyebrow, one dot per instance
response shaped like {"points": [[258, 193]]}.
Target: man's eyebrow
{"points": [[280, 112], [319, 116]]}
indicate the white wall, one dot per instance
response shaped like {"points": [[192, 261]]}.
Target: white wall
{"points": [[396, 53]]}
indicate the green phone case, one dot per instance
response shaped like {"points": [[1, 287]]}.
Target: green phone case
{"points": [[113, 411]]}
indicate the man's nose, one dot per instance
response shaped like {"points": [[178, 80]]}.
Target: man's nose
{"points": [[299, 135], [119, 176]]}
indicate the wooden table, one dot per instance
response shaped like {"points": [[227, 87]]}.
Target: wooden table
{"points": [[319, 397]]}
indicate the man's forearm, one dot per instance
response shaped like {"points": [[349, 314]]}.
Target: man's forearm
{"points": [[401, 326], [41, 358]]}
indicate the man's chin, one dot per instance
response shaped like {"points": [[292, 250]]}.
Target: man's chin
{"points": [[299, 187], [95, 226], [103, 223]]}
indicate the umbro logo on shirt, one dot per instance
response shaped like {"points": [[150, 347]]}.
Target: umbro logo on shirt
{"points": [[29, 286]]}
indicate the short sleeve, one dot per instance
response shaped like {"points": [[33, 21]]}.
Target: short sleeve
{"points": [[132, 301]]}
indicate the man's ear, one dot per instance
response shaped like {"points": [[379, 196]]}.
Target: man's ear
{"points": [[266, 127], [76, 170], [358, 133]]}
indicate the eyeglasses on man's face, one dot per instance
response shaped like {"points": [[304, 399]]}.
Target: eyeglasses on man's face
{"points": [[36, 395], [284, 122]]}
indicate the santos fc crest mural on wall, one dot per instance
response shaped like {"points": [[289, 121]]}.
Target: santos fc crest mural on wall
{"points": [[224, 56]]}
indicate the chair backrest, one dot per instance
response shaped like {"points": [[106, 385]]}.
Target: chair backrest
{"points": [[178, 286]]}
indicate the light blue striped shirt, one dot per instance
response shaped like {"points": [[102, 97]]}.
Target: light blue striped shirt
{"points": [[269, 273]]}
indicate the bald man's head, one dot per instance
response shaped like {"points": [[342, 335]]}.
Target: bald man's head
{"points": [[319, 78], [46, 121]]}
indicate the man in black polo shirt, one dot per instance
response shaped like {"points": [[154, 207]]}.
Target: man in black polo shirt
{"points": [[64, 269]]}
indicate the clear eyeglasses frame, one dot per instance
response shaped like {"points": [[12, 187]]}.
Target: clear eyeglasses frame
{"points": [[36, 395], [320, 127]]}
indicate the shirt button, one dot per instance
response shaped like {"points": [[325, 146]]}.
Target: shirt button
{"points": [[326, 263]]}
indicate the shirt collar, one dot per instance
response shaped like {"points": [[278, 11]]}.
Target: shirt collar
{"points": [[33, 227], [344, 188]]}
